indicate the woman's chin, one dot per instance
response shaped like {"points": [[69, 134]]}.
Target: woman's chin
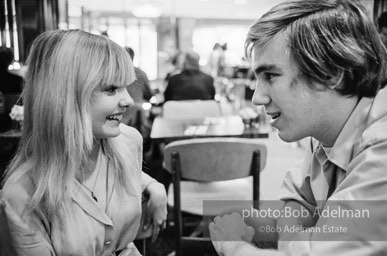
{"points": [[108, 134]]}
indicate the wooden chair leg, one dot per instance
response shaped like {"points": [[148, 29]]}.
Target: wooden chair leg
{"points": [[146, 246]]}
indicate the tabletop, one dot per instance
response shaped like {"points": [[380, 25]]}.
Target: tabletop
{"points": [[225, 126]]}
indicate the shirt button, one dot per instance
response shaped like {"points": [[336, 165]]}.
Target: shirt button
{"points": [[108, 242]]}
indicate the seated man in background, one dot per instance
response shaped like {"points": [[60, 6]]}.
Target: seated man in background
{"points": [[177, 65], [321, 72], [191, 83], [139, 90]]}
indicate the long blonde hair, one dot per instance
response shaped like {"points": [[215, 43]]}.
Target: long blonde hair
{"points": [[64, 67]]}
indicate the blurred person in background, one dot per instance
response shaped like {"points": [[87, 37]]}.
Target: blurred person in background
{"points": [[217, 60], [191, 83], [382, 26], [74, 187], [321, 72], [139, 90], [177, 65]]}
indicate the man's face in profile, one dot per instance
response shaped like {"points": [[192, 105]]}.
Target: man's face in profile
{"points": [[296, 107]]}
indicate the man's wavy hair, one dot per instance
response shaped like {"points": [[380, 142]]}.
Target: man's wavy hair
{"points": [[327, 38]]}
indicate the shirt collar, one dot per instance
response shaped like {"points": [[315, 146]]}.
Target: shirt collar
{"points": [[342, 153], [367, 111], [83, 197]]}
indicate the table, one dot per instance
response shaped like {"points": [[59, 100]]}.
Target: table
{"points": [[167, 130]]}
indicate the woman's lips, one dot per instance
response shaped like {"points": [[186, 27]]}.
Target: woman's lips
{"points": [[115, 117]]}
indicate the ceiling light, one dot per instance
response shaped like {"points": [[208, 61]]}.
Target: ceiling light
{"points": [[146, 10], [240, 2]]}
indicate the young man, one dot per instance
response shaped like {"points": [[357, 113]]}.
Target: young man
{"points": [[139, 90], [321, 71]]}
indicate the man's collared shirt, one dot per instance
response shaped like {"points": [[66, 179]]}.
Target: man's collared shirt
{"points": [[357, 165]]}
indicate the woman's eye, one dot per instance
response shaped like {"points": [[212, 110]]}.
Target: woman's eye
{"points": [[111, 89]]}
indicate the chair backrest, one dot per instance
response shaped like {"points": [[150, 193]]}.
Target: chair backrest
{"points": [[191, 109], [215, 159], [211, 159]]}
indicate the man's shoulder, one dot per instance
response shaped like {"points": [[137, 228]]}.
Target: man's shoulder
{"points": [[376, 132], [206, 76], [373, 132], [139, 70], [376, 128], [177, 76], [140, 73], [176, 80]]}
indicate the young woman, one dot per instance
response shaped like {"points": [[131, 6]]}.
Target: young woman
{"points": [[75, 185]]}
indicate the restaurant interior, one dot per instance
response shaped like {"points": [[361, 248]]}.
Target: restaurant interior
{"points": [[203, 132]]}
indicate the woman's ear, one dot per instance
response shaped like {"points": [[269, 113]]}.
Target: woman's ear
{"points": [[335, 82]]}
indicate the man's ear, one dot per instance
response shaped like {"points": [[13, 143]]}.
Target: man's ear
{"points": [[335, 82]]}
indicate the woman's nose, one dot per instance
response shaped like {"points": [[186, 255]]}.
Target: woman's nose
{"points": [[126, 101], [260, 97]]}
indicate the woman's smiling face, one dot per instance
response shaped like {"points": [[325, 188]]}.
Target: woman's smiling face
{"points": [[108, 104]]}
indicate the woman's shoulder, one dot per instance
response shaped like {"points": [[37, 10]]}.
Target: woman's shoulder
{"points": [[18, 190], [129, 135]]}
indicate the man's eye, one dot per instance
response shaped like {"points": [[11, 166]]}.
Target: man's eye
{"points": [[269, 76]]}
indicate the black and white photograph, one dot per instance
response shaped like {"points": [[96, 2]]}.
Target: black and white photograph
{"points": [[193, 127]]}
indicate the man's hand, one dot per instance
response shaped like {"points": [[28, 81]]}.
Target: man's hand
{"points": [[156, 208], [228, 232]]}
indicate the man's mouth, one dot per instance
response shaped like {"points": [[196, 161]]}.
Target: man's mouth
{"points": [[274, 115], [115, 117]]}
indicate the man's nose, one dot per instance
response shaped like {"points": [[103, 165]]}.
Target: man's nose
{"points": [[261, 96]]}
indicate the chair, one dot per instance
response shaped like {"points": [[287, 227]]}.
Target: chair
{"points": [[191, 109], [201, 166]]}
